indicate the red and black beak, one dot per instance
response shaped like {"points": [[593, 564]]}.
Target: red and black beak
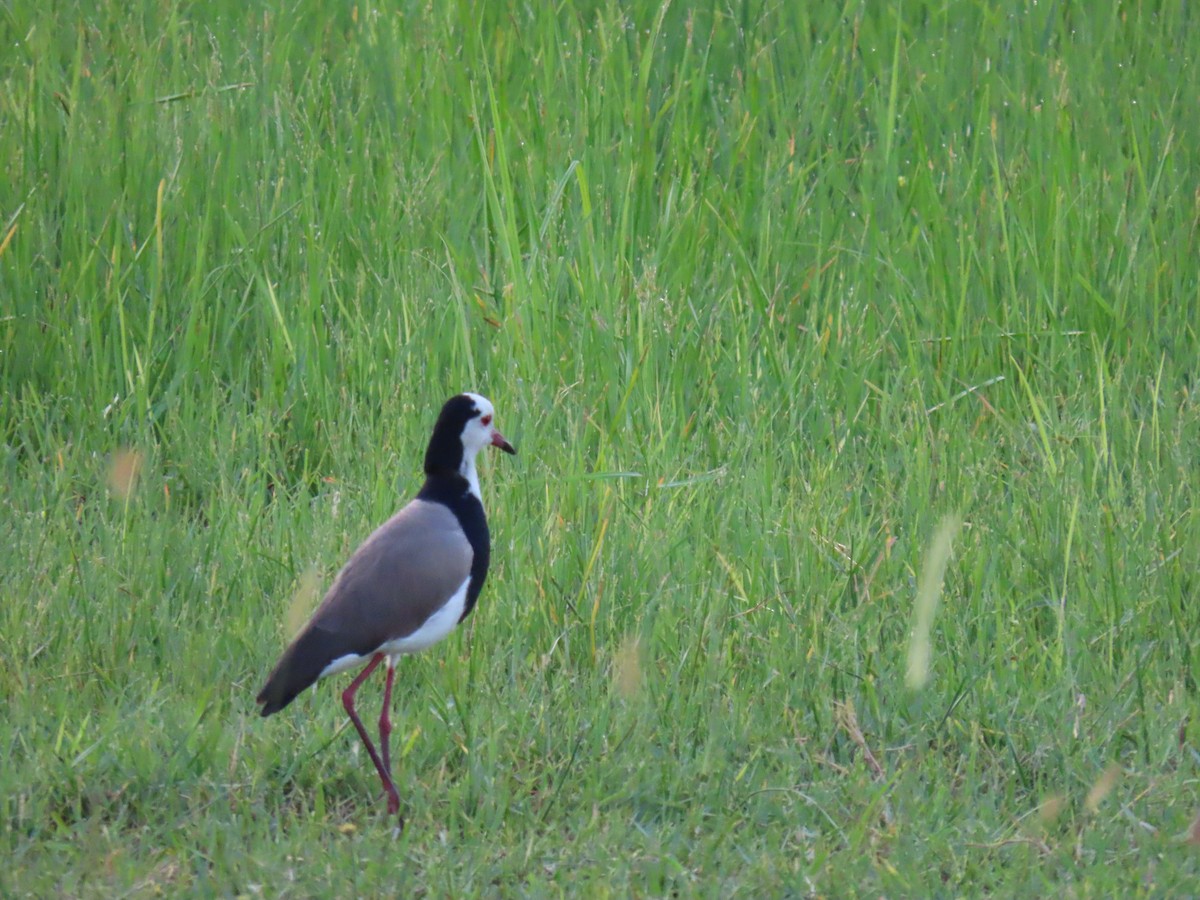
{"points": [[499, 441]]}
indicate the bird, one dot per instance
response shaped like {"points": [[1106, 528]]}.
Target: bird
{"points": [[407, 586]]}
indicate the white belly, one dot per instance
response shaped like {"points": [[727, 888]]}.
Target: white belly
{"points": [[436, 627]]}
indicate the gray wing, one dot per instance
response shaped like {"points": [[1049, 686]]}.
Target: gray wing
{"points": [[402, 574]]}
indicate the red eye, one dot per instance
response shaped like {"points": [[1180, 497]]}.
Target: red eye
{"points": [[486, 420]]}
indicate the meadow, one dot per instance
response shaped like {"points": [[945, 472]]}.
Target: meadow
{"points": [[850, 351]]}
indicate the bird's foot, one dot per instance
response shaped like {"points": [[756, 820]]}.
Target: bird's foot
{"points": [[393, 802]]}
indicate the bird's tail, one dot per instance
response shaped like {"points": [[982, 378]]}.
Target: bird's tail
{"points": [[301, 664]]}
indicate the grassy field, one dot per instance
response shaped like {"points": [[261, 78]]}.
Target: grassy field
{"points": [[788, 307]]}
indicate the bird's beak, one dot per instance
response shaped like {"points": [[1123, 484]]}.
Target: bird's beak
{"points": [[499, 441]]}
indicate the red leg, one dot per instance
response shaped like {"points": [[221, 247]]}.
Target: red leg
{"points": [[385, 722], [348, 701]]}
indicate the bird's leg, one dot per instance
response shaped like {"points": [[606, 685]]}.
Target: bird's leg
{"points": [[385, 723], [385, 733], [348, 701]]}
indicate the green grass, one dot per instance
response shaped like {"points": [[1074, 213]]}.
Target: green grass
{"points": [[764, 294]]}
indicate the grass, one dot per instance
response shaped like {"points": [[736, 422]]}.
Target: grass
{"points": [[786, 307]]}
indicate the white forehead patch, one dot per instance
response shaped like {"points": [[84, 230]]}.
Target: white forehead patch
{"points": [[482, 404]]}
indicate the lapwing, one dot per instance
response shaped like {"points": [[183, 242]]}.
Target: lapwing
{"points": [[405, 588]]}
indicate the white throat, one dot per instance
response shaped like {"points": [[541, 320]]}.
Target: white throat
{"points": [[467, 470]]}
